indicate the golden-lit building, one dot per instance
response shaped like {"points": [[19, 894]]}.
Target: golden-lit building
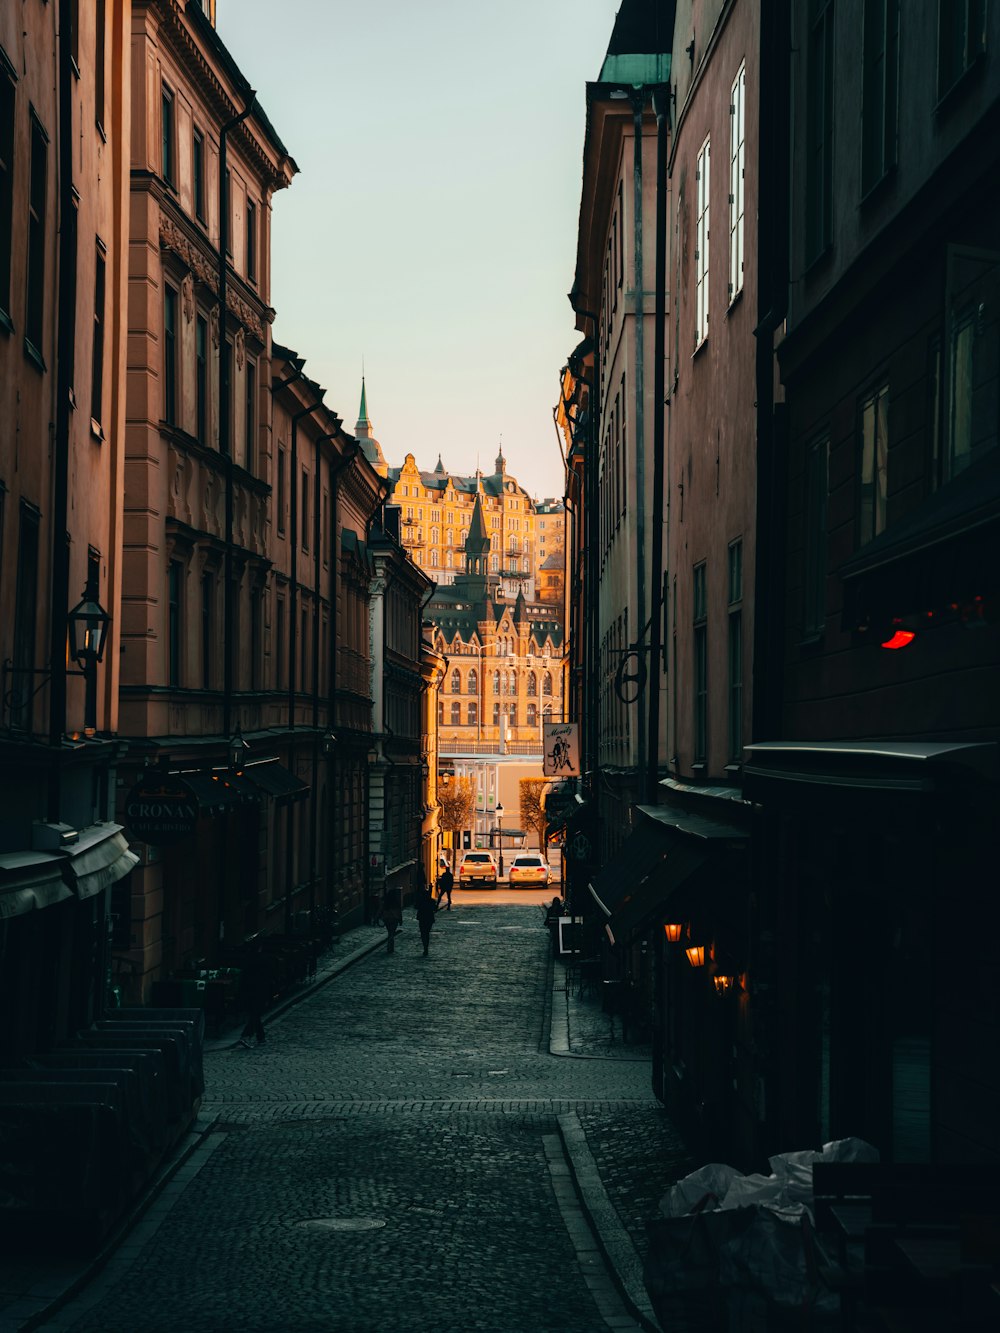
{"points": [[436, 512]]}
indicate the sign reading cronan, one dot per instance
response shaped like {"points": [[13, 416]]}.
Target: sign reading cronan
{"points": [[161, 809]]}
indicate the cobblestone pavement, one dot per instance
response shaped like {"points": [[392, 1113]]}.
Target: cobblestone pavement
{"points": [[399, 1155]]}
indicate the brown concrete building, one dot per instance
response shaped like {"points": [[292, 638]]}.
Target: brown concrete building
{"points": [[64, 134]]}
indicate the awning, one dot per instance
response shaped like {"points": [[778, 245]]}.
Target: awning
{"points": [[695, 826], [100, 858], [879, 765], [638, 856], [675, 868], [276, 780], [30, 880], [211, 792]]}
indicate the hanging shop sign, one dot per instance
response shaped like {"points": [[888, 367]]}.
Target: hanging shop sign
{"points": [[161, 809], [561, 750]]}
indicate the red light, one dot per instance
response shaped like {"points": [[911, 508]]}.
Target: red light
{"points": [[902, 638]]}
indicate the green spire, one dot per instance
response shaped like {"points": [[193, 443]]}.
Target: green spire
{"points": [[363, 411]]}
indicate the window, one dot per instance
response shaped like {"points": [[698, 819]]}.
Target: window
{"points": [[279, 498], [97, 347], [250, 416], [532, 685], [226, 371], [100, 17], [35, 292], [532, 715], [227, 211], [198, 174], [737, 168], [473, 715], [303, 651], [496, 682], [435, 559], [971, 379], [880, 90], [175, 574], [169, 355], [441, 712], [701, 243], [961, 39], [167, 134], [496, 715], [251, 240], [473, 685], [201, 378], [735, 751], [207, 589], [700, 664], [819, 128], [25, 620], [456, 681], [814, 539], [874, 464], [546, 683], [456, 714], [7, 102]]}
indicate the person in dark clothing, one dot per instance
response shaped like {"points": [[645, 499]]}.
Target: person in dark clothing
{"points": [[257, 981], [446, 882], [426, 912], [392, 915]]}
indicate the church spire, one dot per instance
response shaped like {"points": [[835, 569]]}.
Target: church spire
{"points": [[501, 463], [363, 428]]}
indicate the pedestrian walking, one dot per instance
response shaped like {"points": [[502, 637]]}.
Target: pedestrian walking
{"points": [[426, 912], [392, 915], [553, 913], [446, 882], [257, 988]]}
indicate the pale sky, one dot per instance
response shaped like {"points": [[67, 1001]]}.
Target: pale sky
{"points": [[431, 230]]}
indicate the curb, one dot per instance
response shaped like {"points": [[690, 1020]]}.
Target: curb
{"points": [[613, 1240]]}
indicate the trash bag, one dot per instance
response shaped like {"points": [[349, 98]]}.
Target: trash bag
{"points": [[705, 1187], [773, 1256]]}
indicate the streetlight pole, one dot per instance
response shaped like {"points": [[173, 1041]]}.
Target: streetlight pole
{"points": [[499, 813]]}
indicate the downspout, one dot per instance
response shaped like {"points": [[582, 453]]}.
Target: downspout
{"points": [[638, 103], [658, 575], [314, 794], [225, 443], [65, 348]]}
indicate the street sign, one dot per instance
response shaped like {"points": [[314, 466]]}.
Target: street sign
{"points": [[161, 809], [561, 750]]}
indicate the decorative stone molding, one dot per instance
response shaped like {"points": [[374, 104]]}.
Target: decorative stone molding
{"points": [[173, 239], [213, 321], [240, 348], [187, 297]]}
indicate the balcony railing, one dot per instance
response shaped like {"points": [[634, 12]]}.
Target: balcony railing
{"points": [[449, 748]]}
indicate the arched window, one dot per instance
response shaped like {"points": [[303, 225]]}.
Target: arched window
{"points": [[532, 715], [456, 681], [473, 681], [496, 715], [512, 714], [532, 685], [473, 714], [546, 684], [456, 715], [496, 682]]}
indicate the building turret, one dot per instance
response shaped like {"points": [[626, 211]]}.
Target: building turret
{"points": [[370, 447]]}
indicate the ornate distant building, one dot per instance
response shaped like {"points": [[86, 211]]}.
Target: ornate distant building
{"points": [[504, 676], [436, 512]]}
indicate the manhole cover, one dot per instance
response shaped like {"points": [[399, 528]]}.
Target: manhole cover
{"points": [[342, 1223]]}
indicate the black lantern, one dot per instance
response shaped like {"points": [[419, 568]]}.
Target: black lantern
{"points": [[88, 631], [329, 743], [238, 749]]}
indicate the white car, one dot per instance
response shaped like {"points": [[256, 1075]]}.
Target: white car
{"points": [[529, 870]]}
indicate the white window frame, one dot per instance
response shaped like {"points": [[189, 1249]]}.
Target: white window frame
{"points": [[737, 171], [702, 238]]}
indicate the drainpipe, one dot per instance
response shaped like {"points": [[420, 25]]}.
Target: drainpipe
{"points": [[591, 519], [639, 96], [658, 576], [225, 443], [65, 347], [313, 794]]}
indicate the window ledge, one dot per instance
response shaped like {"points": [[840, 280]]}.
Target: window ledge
{"points": [[699, 348], [34, 355], [6, 323], [952, 93], [737, 297], [699, 766], [96, 430]]}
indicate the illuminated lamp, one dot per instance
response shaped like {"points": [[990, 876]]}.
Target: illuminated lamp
{"points": [[673, 931], [696, 955], [899, 638], [723, 982]]}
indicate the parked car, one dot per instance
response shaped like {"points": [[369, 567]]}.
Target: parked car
{"points": [[477, 868], [530, 870]]}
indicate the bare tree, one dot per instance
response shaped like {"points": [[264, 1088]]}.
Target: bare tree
{"points": [[457, 799], [532, 795]]}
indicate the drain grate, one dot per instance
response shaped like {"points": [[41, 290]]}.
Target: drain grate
{"points": [[341, 1223]]}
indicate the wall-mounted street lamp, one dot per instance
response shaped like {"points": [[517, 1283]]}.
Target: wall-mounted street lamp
{"points": [[88, 624], [673, 931], [329, 743], [238, 750], [696, 955], [499, 815]]}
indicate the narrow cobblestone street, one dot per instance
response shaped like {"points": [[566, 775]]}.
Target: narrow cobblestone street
{"points": [[395, 1157]]}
